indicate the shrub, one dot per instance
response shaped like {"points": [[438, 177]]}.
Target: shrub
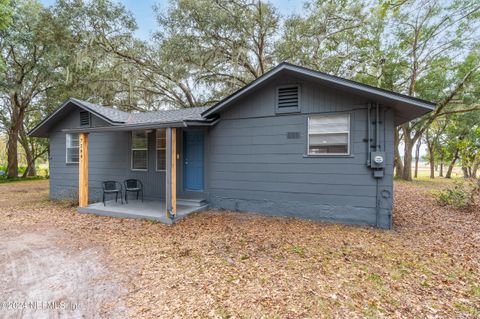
{"points": [[462, 195]]}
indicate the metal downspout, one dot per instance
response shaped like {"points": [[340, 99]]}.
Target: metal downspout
{"points": [[368, 132], [377, 146]]}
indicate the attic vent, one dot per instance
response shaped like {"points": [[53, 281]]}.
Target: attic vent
{"points": [[84, 118], [288, 98], [293, 135]]}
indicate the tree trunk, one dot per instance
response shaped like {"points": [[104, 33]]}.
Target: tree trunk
{"points": [[465, 172], [29, 154], [417, 156], [441, 166], [30, 170], [475, 169], [12, 153], [431, 159], [18, 113], [407, 156], [452, 164], [397, 161]]}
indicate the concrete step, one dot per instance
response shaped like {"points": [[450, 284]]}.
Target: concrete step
{"points": [[197, 202]]}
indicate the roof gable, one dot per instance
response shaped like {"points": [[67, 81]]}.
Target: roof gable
{"points": [[407, 107], [110, 116]]}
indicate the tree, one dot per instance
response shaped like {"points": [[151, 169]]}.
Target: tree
{"points": [[27, 48], [5, 14], [336, 37], [461, 141], [433, 139], [5, 20], [418, 145], [203, 50], [429, 37], [53, 54]]}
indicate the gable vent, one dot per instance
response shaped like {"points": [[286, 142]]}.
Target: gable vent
{"points": [[288, 97], [84, 118]]}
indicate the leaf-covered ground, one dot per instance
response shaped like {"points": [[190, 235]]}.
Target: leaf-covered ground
{"points": [[222, 264]]}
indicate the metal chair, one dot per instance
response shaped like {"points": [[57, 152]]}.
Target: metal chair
{"points": [[112, 187], [133, 186]]}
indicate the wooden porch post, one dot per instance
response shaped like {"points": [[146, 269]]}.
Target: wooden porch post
{"points": [[171, 173], [83, 171]]}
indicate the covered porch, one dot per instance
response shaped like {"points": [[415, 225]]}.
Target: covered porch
{"points": [[175, 200]]}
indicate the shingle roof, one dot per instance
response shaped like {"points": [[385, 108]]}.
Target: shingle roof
{"points": [[111, 114], [163, 116], [120, 119], [176, 115]]}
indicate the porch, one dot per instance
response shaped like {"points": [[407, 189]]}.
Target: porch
{"points": [[148, 209], [167, 153]]}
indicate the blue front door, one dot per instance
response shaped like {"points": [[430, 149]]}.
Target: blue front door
{"points": [[193, 161]]}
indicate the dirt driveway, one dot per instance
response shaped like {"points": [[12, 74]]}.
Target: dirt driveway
{"points": [[237, 265], [45, 273]]}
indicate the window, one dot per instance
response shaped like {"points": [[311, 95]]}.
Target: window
{"points": [[329, 135], [72, 148], [139, 150], [161, 142], [288, 98]]}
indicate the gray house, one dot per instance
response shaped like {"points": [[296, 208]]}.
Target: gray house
{"points": [[294, 142]]}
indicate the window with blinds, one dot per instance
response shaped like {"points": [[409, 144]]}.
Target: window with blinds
{"points": [[329, 134], [139, 150]]}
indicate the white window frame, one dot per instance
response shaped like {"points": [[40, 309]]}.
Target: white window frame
{"points": [[138, 149], [349, 118], [160, 148], [68, 138]]}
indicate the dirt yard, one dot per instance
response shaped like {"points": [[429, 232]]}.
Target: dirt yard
{"points": [[56, 263]]}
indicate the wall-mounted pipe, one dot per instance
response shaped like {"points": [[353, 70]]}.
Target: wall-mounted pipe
{"points": [[377, 128], [377, 148], [369, 124]]}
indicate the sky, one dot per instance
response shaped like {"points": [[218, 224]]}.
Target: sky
{"points": [[143, 12]]}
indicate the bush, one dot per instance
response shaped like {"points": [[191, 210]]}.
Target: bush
{"points": [[462, 195]]}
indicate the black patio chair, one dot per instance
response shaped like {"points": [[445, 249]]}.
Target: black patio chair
{"points": [[112, 187], [133, 186]]}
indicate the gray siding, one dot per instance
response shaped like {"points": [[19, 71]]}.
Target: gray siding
{"points": [[252, 166], [250, 163], [109, 159]]}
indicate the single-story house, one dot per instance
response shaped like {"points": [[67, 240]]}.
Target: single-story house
{"points": [[294, 142]]}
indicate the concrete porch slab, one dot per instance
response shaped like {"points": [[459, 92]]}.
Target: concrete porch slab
{"points": [[148, 209]]}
